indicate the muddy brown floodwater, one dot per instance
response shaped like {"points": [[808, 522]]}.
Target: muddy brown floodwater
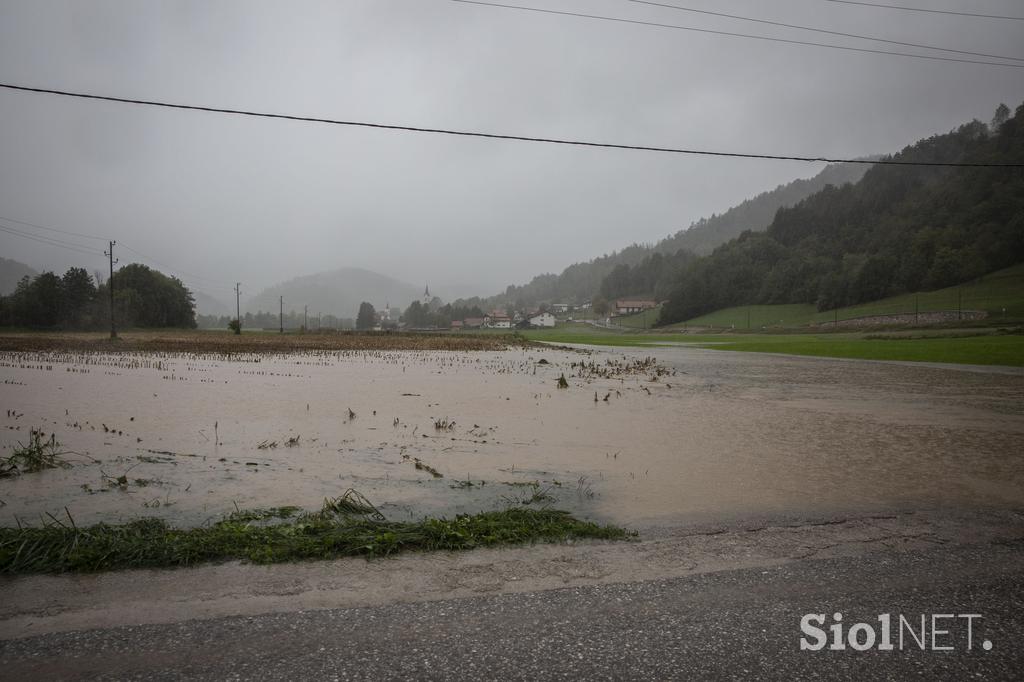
{"points": [[715, 436]]}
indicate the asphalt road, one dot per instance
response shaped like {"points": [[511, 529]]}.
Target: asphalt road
{"points": [[727, 624]]}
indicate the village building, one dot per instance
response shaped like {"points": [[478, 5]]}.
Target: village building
{"points": [[542, 320], [629, 306], [499, 319]]}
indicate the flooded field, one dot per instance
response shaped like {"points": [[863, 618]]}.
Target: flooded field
{"points": [[685, 435]]}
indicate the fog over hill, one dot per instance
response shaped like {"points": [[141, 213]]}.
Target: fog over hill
{"points": [[10, 272], [209, 305], [336, 292], [580, 281]]}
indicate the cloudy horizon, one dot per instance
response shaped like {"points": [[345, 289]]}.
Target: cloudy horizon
{"points": [[217, 199]]}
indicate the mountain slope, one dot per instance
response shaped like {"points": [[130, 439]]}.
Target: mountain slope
{"points": [[899, 229], [581, 281], [757, 213], [337, 292]]}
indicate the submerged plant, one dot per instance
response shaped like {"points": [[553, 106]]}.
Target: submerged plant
{"points": [[444, 424], [351, 503], [38, 455], [537, 495], [423, 466]]}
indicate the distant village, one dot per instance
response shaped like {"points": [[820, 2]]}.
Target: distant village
{"points": [[430, 313], [537, 317]]}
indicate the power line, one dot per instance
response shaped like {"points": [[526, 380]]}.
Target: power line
{"points": [[53, 229], [929, 11], [48, 243], [56, 240], [820, 30], [44, 240], [498, 136], [733, 34], [81, 248]]}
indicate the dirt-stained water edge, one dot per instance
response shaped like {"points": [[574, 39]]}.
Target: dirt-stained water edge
{"points": [[697, 435]]}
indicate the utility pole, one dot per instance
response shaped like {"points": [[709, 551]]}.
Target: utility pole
{"points": [[238, 306], [835, 325], [305, 318], [110, 285], [282, 314], [917, 307]]}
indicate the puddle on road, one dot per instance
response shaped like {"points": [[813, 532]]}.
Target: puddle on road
{"points": [[719, 436]]}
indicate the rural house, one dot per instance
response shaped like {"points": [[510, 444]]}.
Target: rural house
{"points": [[628, 306]]}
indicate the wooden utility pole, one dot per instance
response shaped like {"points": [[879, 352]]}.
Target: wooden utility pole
{"points": [[282, 314], [305, 318], [238, 306], [110, 285]]}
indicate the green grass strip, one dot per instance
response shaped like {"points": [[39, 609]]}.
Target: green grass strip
{"points": [[152, 543], [924, 346], [1005, 350]]}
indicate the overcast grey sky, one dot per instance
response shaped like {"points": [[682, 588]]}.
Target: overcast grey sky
{"points": [[228, 198]]}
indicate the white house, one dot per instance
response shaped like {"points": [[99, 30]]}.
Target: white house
{"points": [[498, 319], [542, 320]]}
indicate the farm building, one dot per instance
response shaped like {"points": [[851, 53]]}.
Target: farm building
{"points": [[628, 306]]}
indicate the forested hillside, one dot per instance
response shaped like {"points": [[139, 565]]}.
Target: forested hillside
{"points": [[899, 229], [582, 281], [757, 213]]}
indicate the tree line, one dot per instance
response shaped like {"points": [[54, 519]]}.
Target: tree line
{"points": [[270, 320], [143, 297], [418, 315]]}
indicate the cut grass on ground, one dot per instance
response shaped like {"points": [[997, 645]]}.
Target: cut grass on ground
{"points": [[274, 536]]}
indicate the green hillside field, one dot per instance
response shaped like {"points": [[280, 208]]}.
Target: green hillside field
{"points": [[1000, 294]]}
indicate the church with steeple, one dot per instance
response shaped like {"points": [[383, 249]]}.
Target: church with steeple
{"points": [[426, 296]]}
